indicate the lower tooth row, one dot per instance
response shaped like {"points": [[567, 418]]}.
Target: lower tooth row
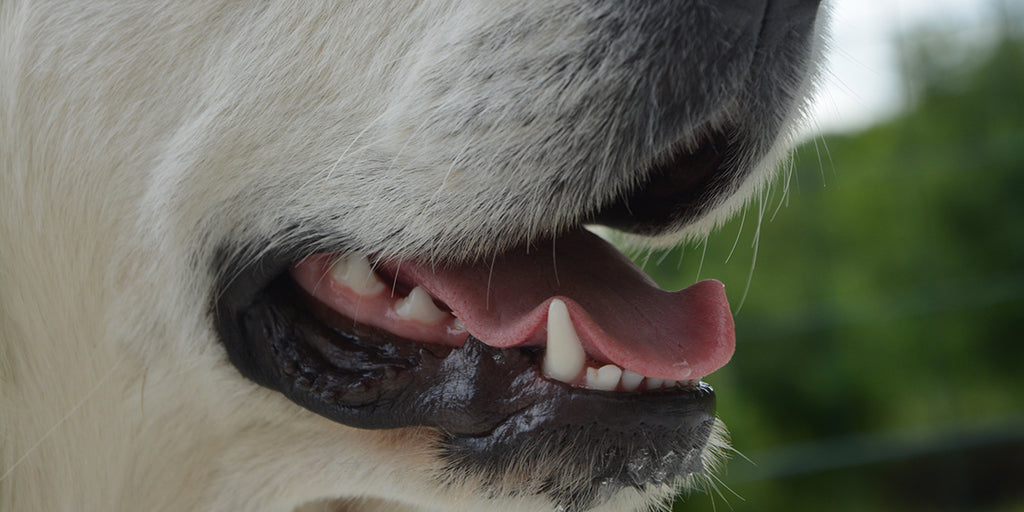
{"points": [[565, 359], [611, 378]]}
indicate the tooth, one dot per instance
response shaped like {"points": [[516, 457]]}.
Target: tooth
{"points": [[605, 378], [655, 383], [355, 273], [564, 356], [684, 368], [631, 380], [458, 326], [419, 306]]}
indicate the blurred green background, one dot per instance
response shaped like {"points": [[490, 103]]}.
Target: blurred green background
{"points": [[879, 348]]}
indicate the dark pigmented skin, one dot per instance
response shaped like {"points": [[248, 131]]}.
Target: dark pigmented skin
{"points": [[492, 408], [680, 189]]}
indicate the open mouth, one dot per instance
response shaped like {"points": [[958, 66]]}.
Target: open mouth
{"points": [[594, 320], [512, 360]]}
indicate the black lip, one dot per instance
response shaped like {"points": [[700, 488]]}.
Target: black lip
{"points": [[681, 188], [492, 408]]}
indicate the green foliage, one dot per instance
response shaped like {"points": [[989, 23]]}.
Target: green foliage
{"points": [[879, 354]]}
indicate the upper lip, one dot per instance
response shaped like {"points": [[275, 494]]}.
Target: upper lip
{"points": [[679, 187]]}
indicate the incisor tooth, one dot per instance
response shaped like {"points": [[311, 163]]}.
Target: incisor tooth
{"points": [[419, 306], [631, 380], [605, 378], [564, 356], [355, 273]]}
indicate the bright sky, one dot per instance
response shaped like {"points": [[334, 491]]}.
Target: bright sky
{"points": [[861, 85]]}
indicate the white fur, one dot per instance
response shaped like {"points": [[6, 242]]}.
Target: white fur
{"points": [[136, 136]]}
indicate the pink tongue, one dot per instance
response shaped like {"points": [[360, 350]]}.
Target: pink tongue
{"points": [[620, 315]]}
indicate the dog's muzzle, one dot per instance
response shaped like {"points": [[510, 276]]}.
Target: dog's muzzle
{"points": [[567, 356], [554, 367]]}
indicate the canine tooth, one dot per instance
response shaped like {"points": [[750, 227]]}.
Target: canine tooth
{"points": [[631, 380], [419, 306], [564, 356], [605, 378], [355, 273]]}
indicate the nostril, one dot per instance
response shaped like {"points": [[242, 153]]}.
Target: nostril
{"points": [[676, 191]]}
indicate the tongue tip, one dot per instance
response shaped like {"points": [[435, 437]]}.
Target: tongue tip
{"points": [[696, 340], [712, 287], [715, 328]]}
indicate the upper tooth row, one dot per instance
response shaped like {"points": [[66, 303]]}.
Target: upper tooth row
{"points": [[356, 273], [419, 306], [565, 359]]}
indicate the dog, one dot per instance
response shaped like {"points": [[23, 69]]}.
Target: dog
{"points": [[337, 256]]}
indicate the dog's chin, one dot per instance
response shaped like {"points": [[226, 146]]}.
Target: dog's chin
{"points": [[503, 424]]}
